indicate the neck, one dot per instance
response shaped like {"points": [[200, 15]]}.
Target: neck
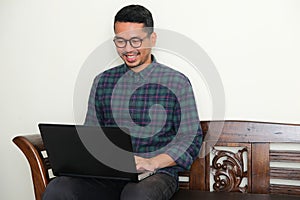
{"points": [[139, 68]]}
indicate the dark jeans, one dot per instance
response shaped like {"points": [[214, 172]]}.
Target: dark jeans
{"points": [[155, 187]]}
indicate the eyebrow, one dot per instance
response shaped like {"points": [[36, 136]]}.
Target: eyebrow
{"points": [[118, 37]]}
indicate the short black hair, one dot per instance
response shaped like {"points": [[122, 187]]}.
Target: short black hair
{"points": [[135, 14]]}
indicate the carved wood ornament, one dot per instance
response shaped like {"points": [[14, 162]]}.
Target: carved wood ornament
{"points": [[229, 170]]}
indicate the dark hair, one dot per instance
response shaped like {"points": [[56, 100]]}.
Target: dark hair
{"points": [[135, 14]]}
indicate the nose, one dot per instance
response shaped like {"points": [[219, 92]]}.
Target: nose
{"points": [[128, 47]]}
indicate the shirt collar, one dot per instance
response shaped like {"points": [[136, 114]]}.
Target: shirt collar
{"points": [[145, 72]]}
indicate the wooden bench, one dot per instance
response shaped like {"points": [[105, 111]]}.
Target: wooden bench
{"points": [[244, 157]]}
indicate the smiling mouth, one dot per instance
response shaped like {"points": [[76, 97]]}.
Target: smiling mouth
{"points": [[131, 57]]}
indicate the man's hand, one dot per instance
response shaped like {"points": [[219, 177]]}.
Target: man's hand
{"points": [[152, 164], [145, 164]]}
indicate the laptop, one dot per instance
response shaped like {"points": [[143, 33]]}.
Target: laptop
{"points": [[90, 151]]}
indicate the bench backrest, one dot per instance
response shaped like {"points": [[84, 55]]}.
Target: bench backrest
{"points": [[236, 156], [244, 156]]}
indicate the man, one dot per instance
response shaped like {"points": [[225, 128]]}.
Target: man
{"points": [[155, 102]]}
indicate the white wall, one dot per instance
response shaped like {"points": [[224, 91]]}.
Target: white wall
{"points": [[254, 44]]}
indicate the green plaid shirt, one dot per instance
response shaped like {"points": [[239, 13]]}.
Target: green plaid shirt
{"points": [[157, 105]]}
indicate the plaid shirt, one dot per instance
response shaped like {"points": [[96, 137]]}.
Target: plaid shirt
{"points": [[157, 105]]}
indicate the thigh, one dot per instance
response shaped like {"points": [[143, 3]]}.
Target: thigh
{"points": [[75, 188], [155, 187]]}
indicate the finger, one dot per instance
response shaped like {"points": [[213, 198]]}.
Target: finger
{"points": [[137, 158]]}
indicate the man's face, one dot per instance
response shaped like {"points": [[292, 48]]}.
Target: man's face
{"points": [[136, 57]]}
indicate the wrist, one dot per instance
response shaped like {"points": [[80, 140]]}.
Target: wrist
{"points": [[155, 163], [161, 161]]}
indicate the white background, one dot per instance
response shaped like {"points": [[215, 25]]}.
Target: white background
{"points": [[254, 45]]}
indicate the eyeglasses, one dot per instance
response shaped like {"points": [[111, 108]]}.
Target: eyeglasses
{"points": [[135, 42]]}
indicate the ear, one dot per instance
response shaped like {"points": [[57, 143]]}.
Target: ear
{"points": [[153, 38]]}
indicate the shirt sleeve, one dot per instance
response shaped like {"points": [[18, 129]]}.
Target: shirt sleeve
{"points": [[91, 118], [188, 140]]}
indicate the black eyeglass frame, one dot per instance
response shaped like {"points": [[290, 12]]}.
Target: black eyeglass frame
{"points": [[130, 41]]}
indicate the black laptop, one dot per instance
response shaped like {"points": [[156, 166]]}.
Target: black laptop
{"points": [[90, 151]]}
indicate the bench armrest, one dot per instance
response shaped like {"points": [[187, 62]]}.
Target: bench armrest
{"points": [[32, 147]]}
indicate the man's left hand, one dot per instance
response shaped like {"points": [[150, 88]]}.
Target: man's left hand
{"points": [[152, 164], [145, 164]]}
